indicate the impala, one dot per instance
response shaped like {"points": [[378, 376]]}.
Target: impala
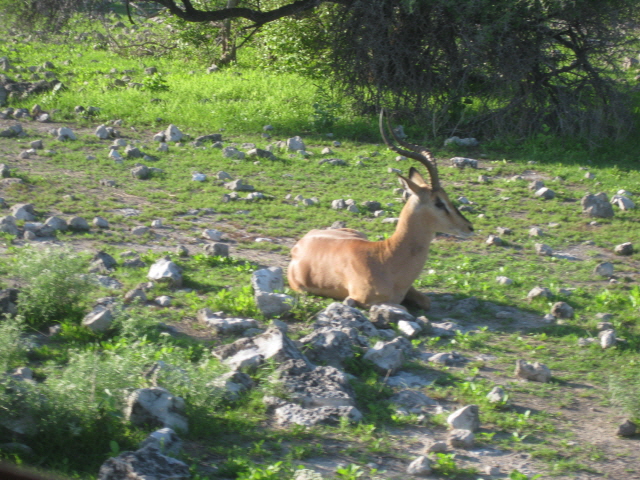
{"points": [[343, 264]]}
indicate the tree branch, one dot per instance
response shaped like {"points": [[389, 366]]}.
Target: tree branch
{"points": [[191, 14]]}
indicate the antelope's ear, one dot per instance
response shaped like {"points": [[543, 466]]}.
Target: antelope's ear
{"points": [[409, 184], [415, 177]]}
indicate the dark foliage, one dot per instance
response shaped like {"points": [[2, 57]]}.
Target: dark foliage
{"points": [[488, 67]]}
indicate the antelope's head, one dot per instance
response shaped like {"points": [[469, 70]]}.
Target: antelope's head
{"points": [[430, 202]]}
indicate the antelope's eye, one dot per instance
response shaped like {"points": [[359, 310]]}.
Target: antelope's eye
{"points": [[440, 204]]}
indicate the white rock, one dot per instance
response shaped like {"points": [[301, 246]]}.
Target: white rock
{"points": [[102, 133], [623, 202], [166, 271], [99, 319], [420, 467], [163, 301], [536, 372], [504, 280], [409, 329], [198, 177], [164, 440], [213, 235], [543, 250], [607, 338], [100, 222], [158, 406], [604, 269], [295, 144], [274, 304], [496, 395], [268, 280], [465, 418], [66, 133], [172, 134]]}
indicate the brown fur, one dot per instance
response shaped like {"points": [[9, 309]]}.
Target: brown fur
{"points": [[342, 263]]}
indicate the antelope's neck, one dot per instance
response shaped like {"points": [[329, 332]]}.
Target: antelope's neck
{"points": [[409, 244]]}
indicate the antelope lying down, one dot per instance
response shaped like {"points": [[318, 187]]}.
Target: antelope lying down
{"points": [[342, 263]]}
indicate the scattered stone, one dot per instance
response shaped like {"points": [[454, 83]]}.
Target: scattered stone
{"points": [[502, 280], [213, 235], [140, 230], [100, 222], [164, 270], [248, 353], [420, 467], [536, 372], [383, 315], [239, 186], [627, 429], [295, 144], [141, 172], [623, 202], [172, 134], [466, 418], [597, 206], [387, 357], [562, 310], [448, 328], [413, 400], [604, 269], [543, 250], [607, 338], [163, 301], [56, 223], [135, 295], [539, 292], [146, 463], [165, 440], [23, 211], [449, 359], [624, 249], [461, 162], [437, 447], [266, 282], [8, 225], [156, 406], [99, 319], [341, 316], [294, 414], [536, 232], [460, 438], [496, 395], [331, 346], [409, 329], [65, 133], [545, 193], [233, 152], [494, 240], [217, 249], [224, 325]]}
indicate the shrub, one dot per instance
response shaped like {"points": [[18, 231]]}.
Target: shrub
{"points": [[11, 349], [51, 284]]}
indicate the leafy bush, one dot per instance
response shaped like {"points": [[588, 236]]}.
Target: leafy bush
{"points": [[51, 283], [77, 410], [11, 350]]}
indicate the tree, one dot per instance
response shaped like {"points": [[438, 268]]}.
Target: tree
{"points": [[478, 67], [486, 67]]}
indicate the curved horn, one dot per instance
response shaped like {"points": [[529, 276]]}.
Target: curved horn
{"points": [[418, 153]]}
